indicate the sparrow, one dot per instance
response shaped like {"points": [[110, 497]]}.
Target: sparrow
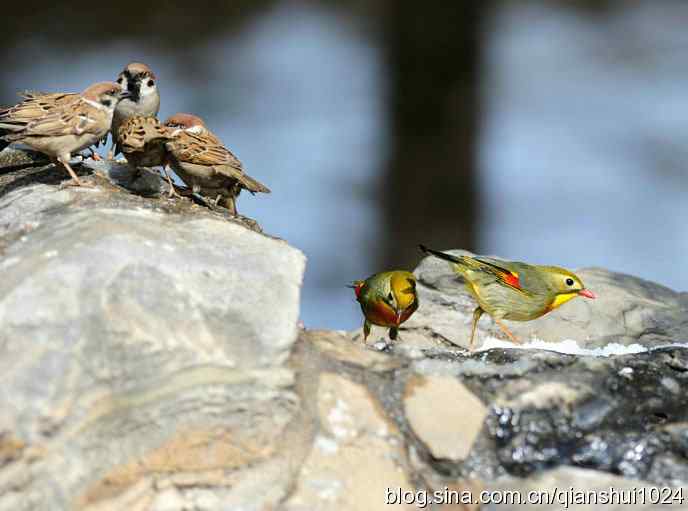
{"points": [[32, 106], [387, 299], [67, 128], [142, 141], [144, 98], [200, 160], [513, 290]]}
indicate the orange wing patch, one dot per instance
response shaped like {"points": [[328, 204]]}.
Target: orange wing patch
{"points": [[511, 278]]}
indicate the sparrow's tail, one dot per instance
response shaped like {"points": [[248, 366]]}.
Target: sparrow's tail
{"points": [[252, 185]]}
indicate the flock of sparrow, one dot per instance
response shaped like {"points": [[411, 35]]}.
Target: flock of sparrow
{"points": [[61, 124]]}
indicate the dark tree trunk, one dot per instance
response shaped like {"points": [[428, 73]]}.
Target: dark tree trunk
{"points": [[429, 190]]}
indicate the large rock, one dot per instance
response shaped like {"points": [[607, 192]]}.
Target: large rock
{"points": [[151, 359], [142, 351]]}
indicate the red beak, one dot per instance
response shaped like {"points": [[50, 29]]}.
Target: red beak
{"points": [[587, 293]]}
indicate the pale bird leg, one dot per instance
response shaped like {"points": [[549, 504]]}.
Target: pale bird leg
{"points": [[476, 316], [75, 179], [230, 204], [511, 336], [173, 189]]}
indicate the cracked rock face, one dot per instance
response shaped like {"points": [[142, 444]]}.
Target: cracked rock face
{"points": [[150, 360], [142, 350]]}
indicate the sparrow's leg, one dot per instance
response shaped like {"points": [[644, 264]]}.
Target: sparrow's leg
{"points": [[230, 204], [113, 149], [511, 336], [476, 316], [95, 155], [173, 189], [75, 179]]}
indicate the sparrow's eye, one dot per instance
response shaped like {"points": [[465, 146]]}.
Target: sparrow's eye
{"points": [[150, 83], [120, 79], [105, 102], [390, 297], [569, 281]]}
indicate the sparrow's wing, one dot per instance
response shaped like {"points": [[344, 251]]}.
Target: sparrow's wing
{"points": [[36, 104], [76, 118], [139, 131], [206, 149]]}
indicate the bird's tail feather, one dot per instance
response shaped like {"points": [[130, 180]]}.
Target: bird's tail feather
{"points": [[252, 185], [460, 260]]}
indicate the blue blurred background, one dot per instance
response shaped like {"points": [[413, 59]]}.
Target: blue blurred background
{"points": [[545, 131]]}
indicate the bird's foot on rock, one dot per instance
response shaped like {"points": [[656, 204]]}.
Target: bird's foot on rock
{"points": [[76, 183], [508, 333], [382, 345], [176, 192], [249, 222]]}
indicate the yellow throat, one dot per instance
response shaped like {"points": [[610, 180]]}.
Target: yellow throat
{"points": [[562, 299]]}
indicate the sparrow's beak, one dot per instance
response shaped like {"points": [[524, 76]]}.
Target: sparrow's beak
{"points": [[587, 293]]}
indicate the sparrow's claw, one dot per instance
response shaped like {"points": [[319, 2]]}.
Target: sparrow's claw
{"points": [[96, 157], [75, 183], [175, 193]]}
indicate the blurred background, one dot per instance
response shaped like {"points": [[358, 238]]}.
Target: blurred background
{"points": [[549, 131]]}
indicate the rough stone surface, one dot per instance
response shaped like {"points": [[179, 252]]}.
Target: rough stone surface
{"points": [[140, 347], [357, 453], [151, 360], [445, 415]]}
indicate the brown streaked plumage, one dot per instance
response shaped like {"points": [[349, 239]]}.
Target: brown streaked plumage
{"points": [[142, 140], [204, 164], [68, 128], [33, 106]]}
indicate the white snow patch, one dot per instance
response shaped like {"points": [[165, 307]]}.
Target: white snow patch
{"points": [[340, 420], [571, 347], [326, 445], [626, 372], [326, 489]]}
